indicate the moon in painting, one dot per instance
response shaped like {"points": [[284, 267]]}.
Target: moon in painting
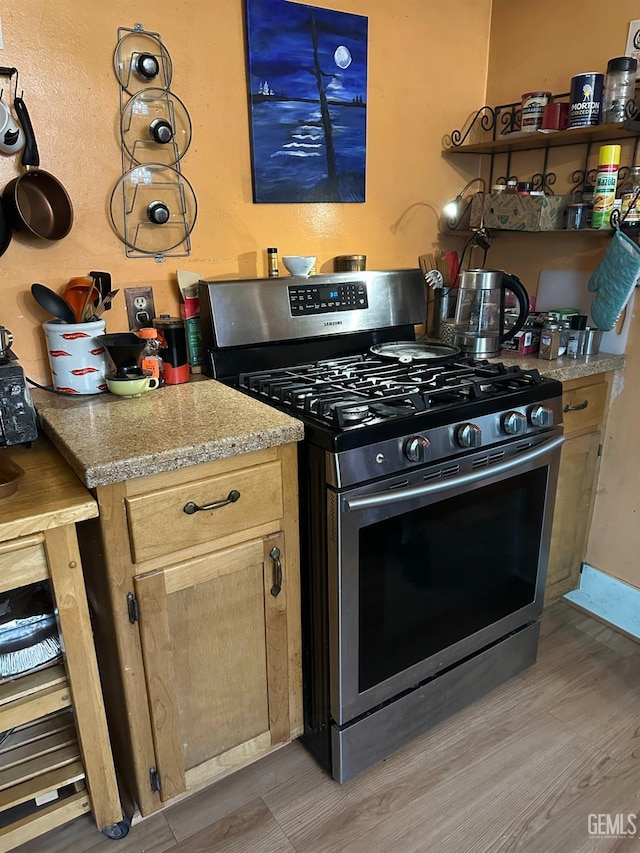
{"points": [[342, 56]]}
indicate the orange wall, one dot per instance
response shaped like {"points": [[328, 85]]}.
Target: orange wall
{"points": [[525, 54], [427, 68]]}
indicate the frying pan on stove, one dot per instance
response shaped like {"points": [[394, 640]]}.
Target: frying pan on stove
{"points": [[36, 201], [408, 352]]}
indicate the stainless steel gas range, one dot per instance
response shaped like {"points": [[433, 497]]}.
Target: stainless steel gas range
{"points": [[427, 487]]}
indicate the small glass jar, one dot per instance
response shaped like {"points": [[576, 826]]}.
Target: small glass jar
{"points": [[619, 88], [630, 197], [272, 262], [553, 340], [577, 216]]}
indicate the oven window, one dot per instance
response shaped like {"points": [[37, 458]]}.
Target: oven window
{"points": [[433, 576]]}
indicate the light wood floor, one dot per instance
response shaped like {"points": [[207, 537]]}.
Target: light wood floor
{"points": [[518, 771]]}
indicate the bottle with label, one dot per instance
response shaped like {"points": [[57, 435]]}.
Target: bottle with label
{"points": [[150, 359], [630, 195], [606, 182], [272, 263]]}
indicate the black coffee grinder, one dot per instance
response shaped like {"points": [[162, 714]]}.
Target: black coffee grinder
{"points": [[17, 414]]}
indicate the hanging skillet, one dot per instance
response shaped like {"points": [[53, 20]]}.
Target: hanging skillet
{"points": [[36, 201], [409, 352]]}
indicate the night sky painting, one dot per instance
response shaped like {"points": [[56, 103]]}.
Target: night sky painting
{"points": [[307, 77]]}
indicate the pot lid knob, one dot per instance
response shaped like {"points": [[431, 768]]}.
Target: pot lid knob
{"points": [[147, 66], [161, 131], [158, 212]]}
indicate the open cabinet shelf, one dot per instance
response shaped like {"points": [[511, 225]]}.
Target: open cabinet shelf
{"points": [[55, 755]]}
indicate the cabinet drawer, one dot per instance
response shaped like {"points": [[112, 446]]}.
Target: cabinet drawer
{"points": [[583, 405], [158, 524], [22, 561]]}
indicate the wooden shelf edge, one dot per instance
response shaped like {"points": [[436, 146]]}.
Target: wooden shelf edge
{"points": [[31, 683], [43, 784], [44, 820]]}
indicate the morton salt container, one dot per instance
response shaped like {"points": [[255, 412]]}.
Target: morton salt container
{"points": [[585, 99]]}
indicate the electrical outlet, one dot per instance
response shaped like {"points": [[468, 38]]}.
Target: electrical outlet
{"points": [[140, 307]]}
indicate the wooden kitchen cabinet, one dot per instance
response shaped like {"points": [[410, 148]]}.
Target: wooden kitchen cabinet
{"points": [[198, 619], [57, 743], [585, 402]]}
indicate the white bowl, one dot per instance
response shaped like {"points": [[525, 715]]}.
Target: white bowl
{"points": [[298, 264]]}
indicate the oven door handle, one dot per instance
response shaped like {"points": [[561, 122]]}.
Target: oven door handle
{"points": [[396, 495]]}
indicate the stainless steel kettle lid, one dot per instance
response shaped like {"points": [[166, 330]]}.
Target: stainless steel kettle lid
{"points": [[481, 279]]}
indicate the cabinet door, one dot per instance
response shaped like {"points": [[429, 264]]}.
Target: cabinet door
{"points": [[214, 638], [572, 514]]}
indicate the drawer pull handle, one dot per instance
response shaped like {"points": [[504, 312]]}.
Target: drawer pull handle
{"points": [[274, 553], [192, 507], [578, 408]]}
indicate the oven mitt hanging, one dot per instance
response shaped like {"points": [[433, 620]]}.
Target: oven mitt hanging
{"points": [[613, 280]]}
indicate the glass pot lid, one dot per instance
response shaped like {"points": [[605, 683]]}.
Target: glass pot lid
{"points": [[140, 59], [155, 127], [153, 208]]}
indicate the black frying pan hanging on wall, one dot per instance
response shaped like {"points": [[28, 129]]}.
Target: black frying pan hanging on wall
{"points": [[410, 352], [36, 201]]}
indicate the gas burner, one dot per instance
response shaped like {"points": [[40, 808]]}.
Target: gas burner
{"points": [[353, 413], [362, 389]]}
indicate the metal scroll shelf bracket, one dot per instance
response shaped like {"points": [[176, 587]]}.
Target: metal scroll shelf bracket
{"points": [[492, 124], [141, 61]]}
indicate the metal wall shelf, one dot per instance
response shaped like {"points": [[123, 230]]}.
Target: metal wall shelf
{"points": [[536, 140]]}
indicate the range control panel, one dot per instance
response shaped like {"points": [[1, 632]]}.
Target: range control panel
{"points": [[313, 299]]}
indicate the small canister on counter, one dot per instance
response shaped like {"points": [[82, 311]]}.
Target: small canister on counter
{"points": [[173, 352], [533, 104], [575, 341], [350, 263], [553, 340], [585, 99]]}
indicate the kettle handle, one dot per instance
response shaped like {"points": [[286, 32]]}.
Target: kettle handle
{"points": [[512, 283]]}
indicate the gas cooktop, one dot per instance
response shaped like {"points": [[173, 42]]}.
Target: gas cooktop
{"points": [[364, 390]]}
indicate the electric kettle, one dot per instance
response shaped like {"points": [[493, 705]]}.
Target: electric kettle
{"points": [[479, 321]]}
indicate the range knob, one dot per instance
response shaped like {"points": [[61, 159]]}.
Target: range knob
{"points": [[514, 423], [469, 435], [541, 416], [416, 447]]}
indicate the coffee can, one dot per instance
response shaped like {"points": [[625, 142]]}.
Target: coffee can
{"points": [[350, 263], [533, 104], [585, 99]]}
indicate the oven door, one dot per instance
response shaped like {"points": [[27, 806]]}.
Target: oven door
{"points": [[429, 568]]}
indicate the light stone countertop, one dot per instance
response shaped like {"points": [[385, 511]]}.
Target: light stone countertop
{"points": [[108, 439], [566, 368]]}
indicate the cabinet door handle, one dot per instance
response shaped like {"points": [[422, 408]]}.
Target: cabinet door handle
{"points": [[578, 408], [192, 507], [274, 553]]}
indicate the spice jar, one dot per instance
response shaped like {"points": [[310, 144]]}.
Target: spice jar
{"points": [[553, 340], [619, 88], [630, 197], [272, 262], [577, 216]]}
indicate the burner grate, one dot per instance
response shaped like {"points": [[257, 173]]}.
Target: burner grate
{"points": [[358, 389]]}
